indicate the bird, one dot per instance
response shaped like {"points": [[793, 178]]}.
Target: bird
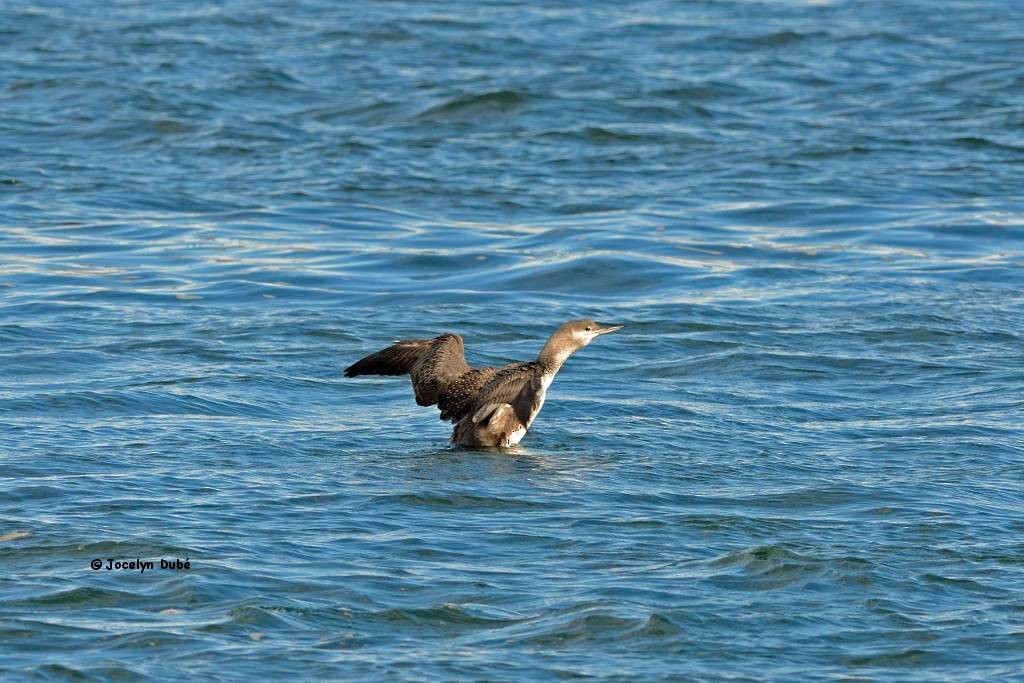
{"points": [[489, 407]]}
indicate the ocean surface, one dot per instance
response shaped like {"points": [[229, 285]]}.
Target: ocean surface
{"points": [[801, 459]]}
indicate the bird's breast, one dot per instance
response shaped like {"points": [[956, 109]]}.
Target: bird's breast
{"points": [[538, 402], [545, 382]]}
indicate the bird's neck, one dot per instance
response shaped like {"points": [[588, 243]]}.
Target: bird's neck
{"points": [[553, 355]]}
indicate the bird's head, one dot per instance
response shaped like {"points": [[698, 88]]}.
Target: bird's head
{"points": [[571, 337], [579, 333]]}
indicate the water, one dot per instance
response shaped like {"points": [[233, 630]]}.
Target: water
{"points": [[801, 459]]}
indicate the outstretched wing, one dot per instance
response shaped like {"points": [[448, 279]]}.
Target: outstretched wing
{"points": [[397, 359], [442, 363], [433, 364]]}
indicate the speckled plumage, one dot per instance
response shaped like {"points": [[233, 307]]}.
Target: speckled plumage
{"points": [[489, 406]]}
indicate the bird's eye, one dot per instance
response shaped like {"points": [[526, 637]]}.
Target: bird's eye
{"points": [[587, 328]]}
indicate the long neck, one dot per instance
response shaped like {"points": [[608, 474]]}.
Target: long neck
{"points": [[554, 353]]}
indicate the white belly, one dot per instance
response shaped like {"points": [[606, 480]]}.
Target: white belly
{"points": [[517, 436], [545, 382]]}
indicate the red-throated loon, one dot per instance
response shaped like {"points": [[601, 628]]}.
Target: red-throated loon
{"points": [[489, 406]]}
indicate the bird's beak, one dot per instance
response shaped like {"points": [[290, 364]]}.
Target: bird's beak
{"points": [[606, 330]]}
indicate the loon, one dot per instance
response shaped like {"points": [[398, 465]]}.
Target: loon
{"points": [[489, 406]]}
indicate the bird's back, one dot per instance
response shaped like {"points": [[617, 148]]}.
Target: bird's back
{"points": [[459, 397]]}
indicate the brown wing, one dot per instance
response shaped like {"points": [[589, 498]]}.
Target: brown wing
{"points": [[443, 362], [504, 405], [433, 364], [397, 359], [515, 385]]}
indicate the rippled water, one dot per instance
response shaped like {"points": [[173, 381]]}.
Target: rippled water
{"points": [[801, 459]]}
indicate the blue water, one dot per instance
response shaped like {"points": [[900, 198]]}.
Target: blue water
{"points": [[801, 459]]}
